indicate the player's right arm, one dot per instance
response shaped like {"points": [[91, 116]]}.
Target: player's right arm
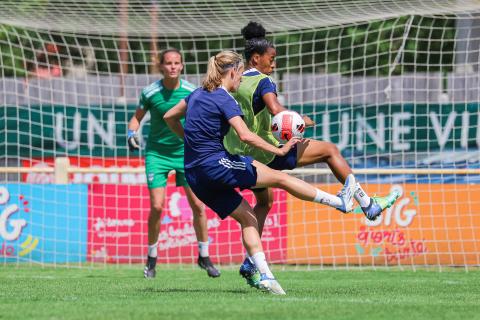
{"points": [[133, 125], [254, 140]]}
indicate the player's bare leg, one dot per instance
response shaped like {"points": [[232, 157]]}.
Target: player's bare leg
{"points": [[268, 177], [264, 203], [157, 199], [201, 231], [308, 152], [264, 198], [251, 240], [314, 151]]}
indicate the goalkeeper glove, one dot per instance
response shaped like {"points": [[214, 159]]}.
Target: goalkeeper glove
{"points": [[133, 142]]}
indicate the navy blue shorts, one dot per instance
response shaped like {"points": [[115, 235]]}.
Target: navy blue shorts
{"points": [[286, 162], [214, 183]]}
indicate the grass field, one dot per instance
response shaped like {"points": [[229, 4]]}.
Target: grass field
{"points": [[121, 293]]}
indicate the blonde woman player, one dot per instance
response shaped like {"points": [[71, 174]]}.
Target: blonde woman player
{"points": [[213, 173], [257, 96], [165, 153]]}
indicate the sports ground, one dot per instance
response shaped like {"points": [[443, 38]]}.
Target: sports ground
{"points": [[113, 292]]}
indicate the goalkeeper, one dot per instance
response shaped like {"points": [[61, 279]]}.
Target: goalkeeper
{"points": [[257, 97], [164, 153]]}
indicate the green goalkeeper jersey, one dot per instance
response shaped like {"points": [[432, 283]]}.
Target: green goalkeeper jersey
{"points": [[158, 100]]}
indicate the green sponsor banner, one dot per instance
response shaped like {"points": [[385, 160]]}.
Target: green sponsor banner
{"points": [[387, 129], [100, 131], [46, 130]]}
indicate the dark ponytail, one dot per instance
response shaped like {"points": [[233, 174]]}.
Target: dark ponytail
{"points": [[255, 42]]}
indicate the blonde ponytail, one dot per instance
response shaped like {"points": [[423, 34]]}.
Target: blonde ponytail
{"points": [[218, 66]]}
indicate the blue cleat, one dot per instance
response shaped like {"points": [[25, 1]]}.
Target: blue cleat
{"points": [[378, 204], [346, 194], [249, 271], [270, 285]]}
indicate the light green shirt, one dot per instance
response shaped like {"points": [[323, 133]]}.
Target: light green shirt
{"points": [[158, 100], [259, 123]]}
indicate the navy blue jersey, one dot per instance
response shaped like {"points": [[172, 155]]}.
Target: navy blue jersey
{"points": [[265, 86], [206, 123]]}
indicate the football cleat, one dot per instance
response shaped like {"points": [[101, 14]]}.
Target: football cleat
{"points": [[149, 273], [249, 272], [149, 270], [346, 194], [270, 285], [206, 264], [378, 204]]}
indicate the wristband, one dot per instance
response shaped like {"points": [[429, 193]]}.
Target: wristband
{"points": [[131, 133]]}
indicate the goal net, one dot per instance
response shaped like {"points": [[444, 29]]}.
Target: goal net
{"points": [[394, 84]]}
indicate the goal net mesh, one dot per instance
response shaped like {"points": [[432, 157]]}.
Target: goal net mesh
{"points": [[394, 84]]}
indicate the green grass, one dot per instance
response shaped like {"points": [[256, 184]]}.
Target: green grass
{"points": [[29, 292]]}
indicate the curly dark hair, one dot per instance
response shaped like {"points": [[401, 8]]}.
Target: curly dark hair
{"points": [[255, 41]]}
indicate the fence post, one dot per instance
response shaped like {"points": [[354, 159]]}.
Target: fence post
{"points": [[61, 170]]}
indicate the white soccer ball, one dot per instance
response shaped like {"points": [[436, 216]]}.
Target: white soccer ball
{"points": [[286, 125]]}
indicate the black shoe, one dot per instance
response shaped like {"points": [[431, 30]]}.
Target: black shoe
{"points": [[206, 264], [149, 270]]}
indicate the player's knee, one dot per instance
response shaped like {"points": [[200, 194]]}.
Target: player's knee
{"points": [[197, 206], [246, 218], [249, 221], [332, 149], [265, 204], [157, 207], [198, 210], [281, 180]]}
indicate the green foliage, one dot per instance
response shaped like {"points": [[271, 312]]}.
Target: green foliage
{"points": [[11, 53], [370, 49], [364, 49]]}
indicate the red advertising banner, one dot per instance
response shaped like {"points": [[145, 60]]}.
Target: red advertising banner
{"points": [[86, 178], [430, 224], [117, 227]]}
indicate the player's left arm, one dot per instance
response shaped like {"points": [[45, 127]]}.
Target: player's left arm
{"points": [[271, 101], [173, 117], [248, 137]]}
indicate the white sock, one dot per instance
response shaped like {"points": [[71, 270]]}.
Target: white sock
{"points": [[203, 249], [261, 264], [327, 199], [361, 196], [153, 250]]}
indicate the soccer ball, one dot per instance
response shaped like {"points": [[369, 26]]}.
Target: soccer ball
{"points": [[287, 124]]}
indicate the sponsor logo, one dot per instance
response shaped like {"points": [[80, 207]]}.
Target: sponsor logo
{"points": [[118, 227], [387, 235], [12, 227], [150, 177]]}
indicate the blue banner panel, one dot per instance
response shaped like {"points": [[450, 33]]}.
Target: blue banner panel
{"points": [[43, 223]]}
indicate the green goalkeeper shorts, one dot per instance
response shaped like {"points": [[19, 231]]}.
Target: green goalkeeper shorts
{"points": [[159, 164]]}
